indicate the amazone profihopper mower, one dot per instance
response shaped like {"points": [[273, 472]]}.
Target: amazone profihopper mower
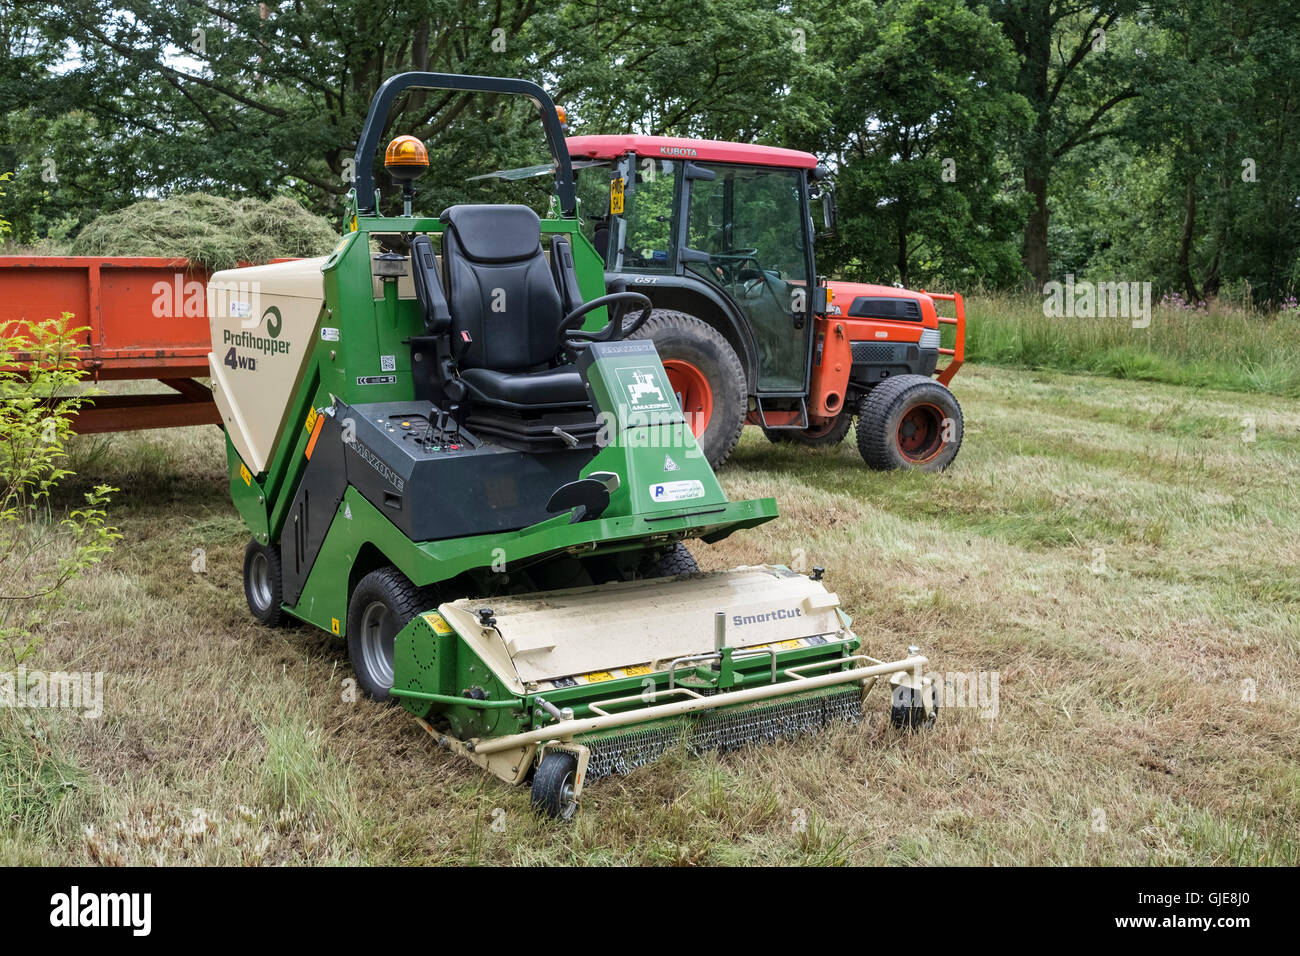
{"points": [[449, 455]]}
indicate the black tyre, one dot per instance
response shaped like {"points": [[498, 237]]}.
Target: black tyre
{"points": [[383, 603], [909, 422], [675, 560], [824, 436], [907, 710], [554, 782], [707, 376], [264, 583]]}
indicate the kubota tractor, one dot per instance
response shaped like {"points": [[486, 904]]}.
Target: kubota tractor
{"points": [[720, 237]]}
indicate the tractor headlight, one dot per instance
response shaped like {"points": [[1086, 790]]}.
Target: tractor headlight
{"points": [[929, 339]]}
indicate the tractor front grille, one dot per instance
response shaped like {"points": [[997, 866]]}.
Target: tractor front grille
{"points": [[878, 353], [722, 730]]}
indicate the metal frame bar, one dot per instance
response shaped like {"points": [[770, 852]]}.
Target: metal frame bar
{"points": [[568, 729], [382, 103]]}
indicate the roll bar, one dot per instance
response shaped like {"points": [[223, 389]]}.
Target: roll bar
{"points": [[381, 105]]}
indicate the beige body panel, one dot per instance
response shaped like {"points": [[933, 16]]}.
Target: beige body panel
{"points": [[541, 637], [255, 396]]}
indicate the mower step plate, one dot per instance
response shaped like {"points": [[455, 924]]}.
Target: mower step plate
{"points": [[561, 634]]}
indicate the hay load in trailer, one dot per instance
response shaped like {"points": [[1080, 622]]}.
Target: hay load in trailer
{"points": [[137, 281]]}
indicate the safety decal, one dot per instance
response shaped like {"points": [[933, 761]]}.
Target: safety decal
{"points": [[677, 490]]}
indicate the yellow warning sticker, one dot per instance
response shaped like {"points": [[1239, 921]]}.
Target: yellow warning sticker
{"points": [[312, 415], [637, 670], [616, 196], [334, 624], [438, 623], [245, 474], [789, 645], [595, 677]]}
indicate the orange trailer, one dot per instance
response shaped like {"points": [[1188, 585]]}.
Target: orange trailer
{"points": [[147, 319]]}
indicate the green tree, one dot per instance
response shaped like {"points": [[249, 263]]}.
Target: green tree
{"points": [[257, 99], [918, 106], [721, 69], [1074, 77]]}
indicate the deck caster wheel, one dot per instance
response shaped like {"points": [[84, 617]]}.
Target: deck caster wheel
{"points": [[553, 785], [263, 583], [907, 708]]}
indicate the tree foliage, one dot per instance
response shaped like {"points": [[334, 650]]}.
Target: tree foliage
{"points": [[994, 143]]}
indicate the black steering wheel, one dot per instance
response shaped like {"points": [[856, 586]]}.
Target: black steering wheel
{"points": [[570, 337]]}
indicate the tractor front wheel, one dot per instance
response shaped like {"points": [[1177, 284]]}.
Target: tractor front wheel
{"points": [[554, 783], [264, 583], [383, 603], [909, 421], [706, 376]]}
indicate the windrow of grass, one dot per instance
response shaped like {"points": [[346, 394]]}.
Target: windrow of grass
{"points": [[1221, 347]]}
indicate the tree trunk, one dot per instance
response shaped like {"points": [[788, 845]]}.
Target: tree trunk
{"points": [[1034, 253], [1185, 242], [902, 251]]}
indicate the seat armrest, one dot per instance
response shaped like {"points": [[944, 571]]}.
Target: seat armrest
{"points": [[428, 286], [566, 275]]}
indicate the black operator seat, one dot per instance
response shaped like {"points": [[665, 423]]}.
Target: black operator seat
{"points": [[502, 292]]}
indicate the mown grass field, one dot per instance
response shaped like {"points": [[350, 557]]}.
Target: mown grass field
{"points": [[1114, 550]]}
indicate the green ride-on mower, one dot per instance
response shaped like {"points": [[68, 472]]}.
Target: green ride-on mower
{"points": [[451, 456]]}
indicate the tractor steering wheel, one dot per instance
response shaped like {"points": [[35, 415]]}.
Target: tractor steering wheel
{"points": [[570, 336]]}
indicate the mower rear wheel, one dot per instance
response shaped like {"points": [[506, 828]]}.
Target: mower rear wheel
{"points": [[676, 560], [383, 603], [264, 583], [554, 783], [907, 709], [909, 421], [706, 376], [826, 435]]}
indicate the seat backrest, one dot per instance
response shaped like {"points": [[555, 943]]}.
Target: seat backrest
{"points": [[499, 287]]}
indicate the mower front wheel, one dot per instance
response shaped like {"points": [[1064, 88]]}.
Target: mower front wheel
{"points": [[554, 784], [264, 583], [383, 603], [676, 560]]}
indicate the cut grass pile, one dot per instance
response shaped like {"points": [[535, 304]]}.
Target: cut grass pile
{"points": [[217, 232]]}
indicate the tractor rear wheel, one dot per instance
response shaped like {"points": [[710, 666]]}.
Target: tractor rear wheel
{"points": [[826, 435], [383, 603], [909, 421], [264, 582], [706, 375]]}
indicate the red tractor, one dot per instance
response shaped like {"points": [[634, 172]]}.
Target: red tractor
{"points": [[720, 237]]}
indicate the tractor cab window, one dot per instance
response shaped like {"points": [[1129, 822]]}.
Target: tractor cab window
{"points": [[643, 239], [751, 222]]}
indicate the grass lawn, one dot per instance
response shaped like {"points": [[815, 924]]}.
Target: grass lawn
{"points": [[1114, 551]]}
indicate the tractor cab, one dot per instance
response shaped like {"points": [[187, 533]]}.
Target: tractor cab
{"points": [[739, 219]]}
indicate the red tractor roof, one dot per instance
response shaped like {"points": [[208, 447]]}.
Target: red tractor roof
{"points": [[676, 147]]}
